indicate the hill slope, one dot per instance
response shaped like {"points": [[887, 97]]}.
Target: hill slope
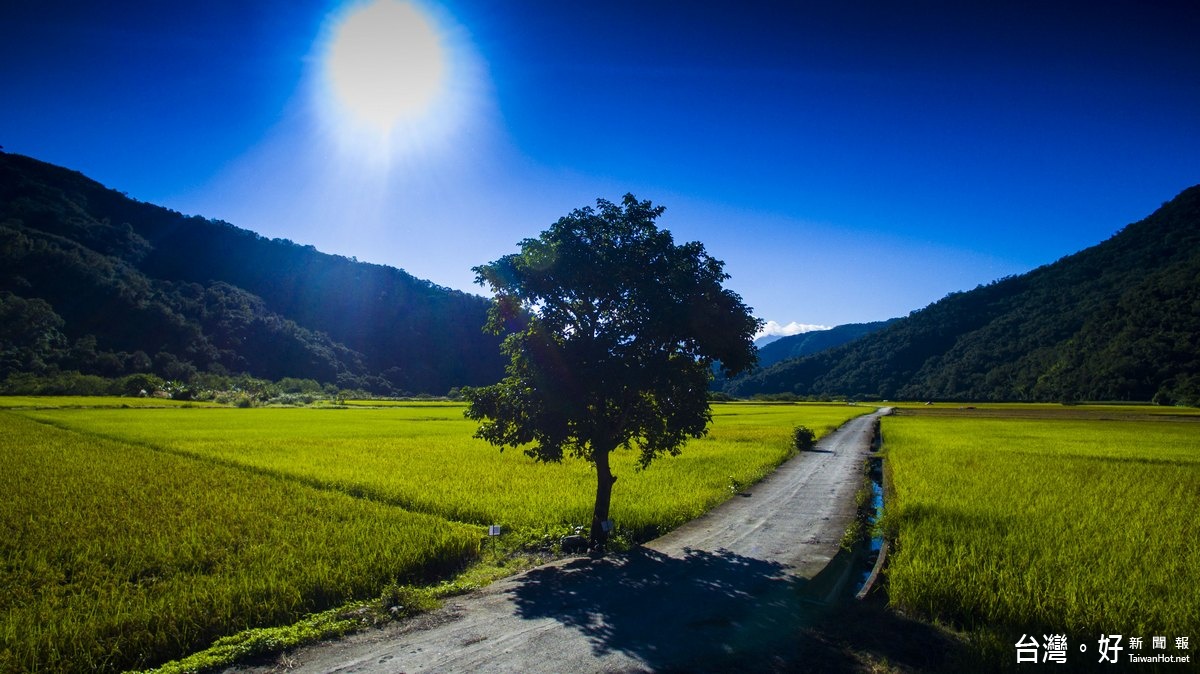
{"points": [[1117, 321], [91, 280]]}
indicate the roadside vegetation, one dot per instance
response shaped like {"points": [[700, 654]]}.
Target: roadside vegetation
{"points": [[1021, 519], [142, 535]]}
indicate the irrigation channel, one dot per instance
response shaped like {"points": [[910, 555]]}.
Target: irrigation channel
{"points": [[871, 551], [729, 591]]}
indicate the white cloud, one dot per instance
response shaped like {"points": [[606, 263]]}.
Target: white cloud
{"points": [[775, 329]]}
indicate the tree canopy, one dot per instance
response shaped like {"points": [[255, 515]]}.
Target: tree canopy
{"points": [[614, 332]]}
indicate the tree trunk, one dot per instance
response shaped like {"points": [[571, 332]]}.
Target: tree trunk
{"points": [[604, 483]]}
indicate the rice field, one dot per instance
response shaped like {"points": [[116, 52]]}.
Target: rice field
{"points": [[135, 536], [116, 556], [1019, 523], [61, 402], [421, 457]]}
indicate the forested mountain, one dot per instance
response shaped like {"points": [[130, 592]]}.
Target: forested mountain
{"points": [[806, 343], [94, 281], [1117, 321]]}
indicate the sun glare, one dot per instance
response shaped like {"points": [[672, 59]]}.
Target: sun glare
{"points": [[386, 63]]}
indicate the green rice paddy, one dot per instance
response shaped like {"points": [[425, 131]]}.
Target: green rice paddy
{"points": [[1030, 520], [135, 536]]}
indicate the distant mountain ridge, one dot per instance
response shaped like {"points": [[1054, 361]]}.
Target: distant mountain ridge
{"points": [[807, 343], [94, 281], [1116, 321]]}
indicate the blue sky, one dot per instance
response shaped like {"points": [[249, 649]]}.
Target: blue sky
{"points": [[849, 161]]}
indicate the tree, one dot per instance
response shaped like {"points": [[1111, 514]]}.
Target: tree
{"points": [[30, 335], [614, 332]]}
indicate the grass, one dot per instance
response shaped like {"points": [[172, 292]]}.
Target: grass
{"points": [[134, 536], [1045, 525]]}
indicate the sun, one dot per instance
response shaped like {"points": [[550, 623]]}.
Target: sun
{"points": [[386, 63]]}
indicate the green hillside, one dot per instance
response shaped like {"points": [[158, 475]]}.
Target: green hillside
{"points": [[95, 282], [1117, 321]]}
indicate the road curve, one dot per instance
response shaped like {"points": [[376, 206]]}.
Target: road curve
{"points": [[727, 591]]}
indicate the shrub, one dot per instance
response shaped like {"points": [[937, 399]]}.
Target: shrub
{"points": [[803, 438], [140, 384]]}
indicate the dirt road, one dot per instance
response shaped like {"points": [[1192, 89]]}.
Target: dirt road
{"points": [[724, 592]]}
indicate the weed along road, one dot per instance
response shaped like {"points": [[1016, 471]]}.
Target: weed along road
{"points": [[728, 591]]}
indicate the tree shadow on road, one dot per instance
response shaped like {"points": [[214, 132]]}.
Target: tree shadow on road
{"points": [[665, 611], [707, 611]]}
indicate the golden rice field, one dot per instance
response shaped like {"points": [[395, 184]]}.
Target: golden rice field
{"points": [[1015, 520], [135, 536]]}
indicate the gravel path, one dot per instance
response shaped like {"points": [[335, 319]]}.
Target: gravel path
{"points": [[724, 592]]}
